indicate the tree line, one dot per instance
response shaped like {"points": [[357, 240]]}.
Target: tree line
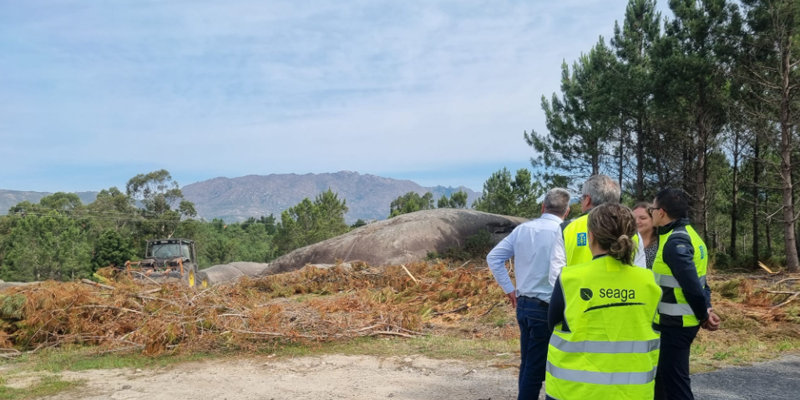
{"points": [[704, 100], [60, 238]]}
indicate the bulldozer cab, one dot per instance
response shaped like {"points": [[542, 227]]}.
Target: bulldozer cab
{"points": [[167, 258], [169, 249]]}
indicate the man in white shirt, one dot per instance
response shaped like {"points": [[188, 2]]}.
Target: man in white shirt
{"points": [[531, 244], [597, 190]]}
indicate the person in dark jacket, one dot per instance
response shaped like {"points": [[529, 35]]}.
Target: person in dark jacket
{"points": [[680, 269]]}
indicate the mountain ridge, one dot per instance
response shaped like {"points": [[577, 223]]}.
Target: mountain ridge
{"points": [[368, 196]]}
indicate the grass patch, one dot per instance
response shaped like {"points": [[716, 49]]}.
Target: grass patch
{"points": [[81, 359], [501, 322], [730, 289], [721, 355], [46, 386]]}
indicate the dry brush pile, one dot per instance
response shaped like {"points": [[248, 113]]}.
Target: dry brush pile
{"points": [[760, 319], [765, 298], [309, 305]]}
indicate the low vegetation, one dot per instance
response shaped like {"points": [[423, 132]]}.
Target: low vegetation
{"points": [[437, 308]]}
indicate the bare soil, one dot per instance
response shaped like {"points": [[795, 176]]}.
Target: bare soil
{"points": [[325, 377]]}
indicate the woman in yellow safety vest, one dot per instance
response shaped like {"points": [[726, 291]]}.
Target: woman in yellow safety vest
{"points": [[603, 344]]}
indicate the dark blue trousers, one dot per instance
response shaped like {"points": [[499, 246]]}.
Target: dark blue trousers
{"points": [[672, 378], [534, 339]]}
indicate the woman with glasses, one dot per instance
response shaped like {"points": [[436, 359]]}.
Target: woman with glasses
{"points": [[648, 232]]}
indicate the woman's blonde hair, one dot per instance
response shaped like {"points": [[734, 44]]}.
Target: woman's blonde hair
{"points": [[613, 227], [647, 206]]}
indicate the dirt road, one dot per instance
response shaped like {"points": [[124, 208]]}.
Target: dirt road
{"points": [[326, 377], [369, 378]]}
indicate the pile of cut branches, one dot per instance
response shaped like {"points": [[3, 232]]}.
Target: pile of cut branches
{"points": [[309, 305]]}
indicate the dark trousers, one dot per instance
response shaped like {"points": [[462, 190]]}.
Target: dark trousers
{"points": [[672, 377], [533, 340]]}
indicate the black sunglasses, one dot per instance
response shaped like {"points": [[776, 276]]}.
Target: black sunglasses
{"points": [[651, 209]]}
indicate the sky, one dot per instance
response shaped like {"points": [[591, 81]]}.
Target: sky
{"points": [[439, 92]]}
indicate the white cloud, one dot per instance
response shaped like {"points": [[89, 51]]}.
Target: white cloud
{"points": [[252, 87]]}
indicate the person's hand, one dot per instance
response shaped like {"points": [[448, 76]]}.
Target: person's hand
{"points": [[513, 297], [713, 321]]}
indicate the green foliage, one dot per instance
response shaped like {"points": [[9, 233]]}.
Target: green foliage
{"points": [[479, 244], [220, 243], [61, 201], [59, 238], [47, 386], [456, 200], [578, 123], [706, 104], [517, 197], [359, 223], [476, 247], [11, 306], [311, 222], [50, 246], [112, 249], [411, 202], [158, 192]]}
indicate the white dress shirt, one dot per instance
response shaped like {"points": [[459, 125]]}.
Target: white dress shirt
{"points": [[530, 244], [559, 257]]}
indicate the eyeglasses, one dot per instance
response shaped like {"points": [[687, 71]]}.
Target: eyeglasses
{"points": [[651, 209]]}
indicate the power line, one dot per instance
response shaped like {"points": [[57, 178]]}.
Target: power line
{"points": [[93, 217]]}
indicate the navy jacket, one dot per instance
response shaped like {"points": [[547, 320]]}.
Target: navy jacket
{"points": [[678, 254]]}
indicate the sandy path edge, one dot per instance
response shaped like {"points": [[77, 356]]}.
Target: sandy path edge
{"points": [[323, 377]]}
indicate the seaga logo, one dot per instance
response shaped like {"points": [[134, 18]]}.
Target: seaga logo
{"points": [[622, 294]]}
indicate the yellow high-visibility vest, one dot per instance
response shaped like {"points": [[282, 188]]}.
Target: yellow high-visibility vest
{"points": [[576, 241], [610, 350], [674, 310]]}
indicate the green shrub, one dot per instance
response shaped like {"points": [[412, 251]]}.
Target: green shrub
{"points": [[479, 244], [476, 246], [722, 261]]}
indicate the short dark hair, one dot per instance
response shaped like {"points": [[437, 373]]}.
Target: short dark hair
{"points": [[674, 202]]}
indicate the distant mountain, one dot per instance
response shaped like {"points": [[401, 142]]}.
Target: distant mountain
{"points": [[10, 198], [236, 199], [368, 196]]}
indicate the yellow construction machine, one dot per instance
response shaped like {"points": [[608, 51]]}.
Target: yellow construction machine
{"points": [[166, 259]]}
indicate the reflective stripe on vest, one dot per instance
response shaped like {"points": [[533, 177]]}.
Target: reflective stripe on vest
{"points": [[602, 378], [670, 281], [610, 350], [675, 310], [588, 346]]}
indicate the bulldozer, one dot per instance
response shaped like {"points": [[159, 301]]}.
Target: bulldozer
{"points": [[166, 259]]}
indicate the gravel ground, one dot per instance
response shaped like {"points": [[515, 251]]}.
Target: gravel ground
{"points": [[369, 378], [778, 380], [318, 378]]}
